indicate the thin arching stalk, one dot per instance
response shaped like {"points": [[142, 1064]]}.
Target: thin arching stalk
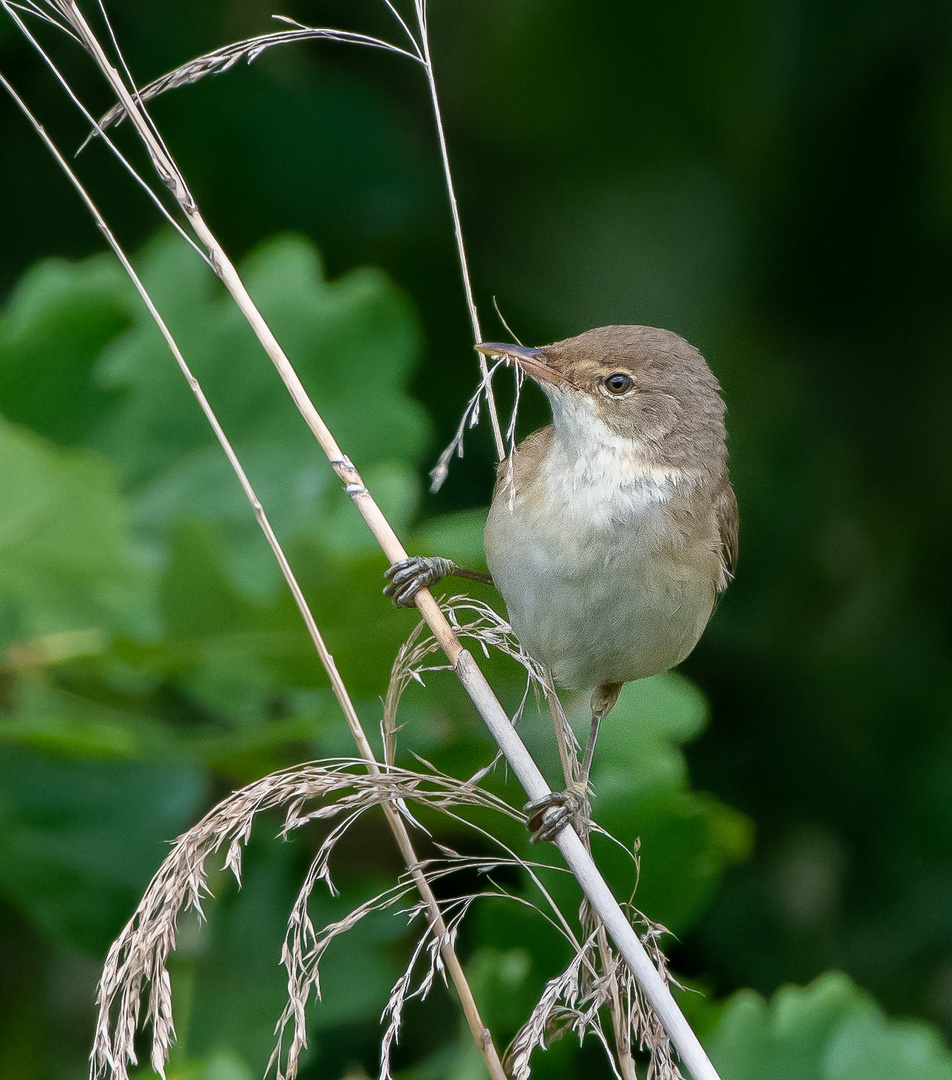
{"points": [[424, 42], [578, 859], [397, 826]]}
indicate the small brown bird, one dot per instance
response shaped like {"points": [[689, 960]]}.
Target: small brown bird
{"points": [[613, 530]]}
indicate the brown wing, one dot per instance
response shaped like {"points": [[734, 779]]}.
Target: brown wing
{"points": [[725, 508], [533, 447]]}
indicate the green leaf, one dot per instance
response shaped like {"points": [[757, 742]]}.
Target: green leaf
{"points": [[252, 649], [353, 342], [299, 503], [64, 562], [643, 791], [59, 319], [829, 1030], [79, 840], [871, 1048]]}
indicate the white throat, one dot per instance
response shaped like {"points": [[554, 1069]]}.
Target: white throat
{"points": [[595, 471]]}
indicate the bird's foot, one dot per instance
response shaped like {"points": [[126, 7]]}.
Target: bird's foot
{"points": [[407, 577], [548, 816]]}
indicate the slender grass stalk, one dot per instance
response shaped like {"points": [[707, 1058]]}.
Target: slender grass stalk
{"points": [[480, 1031], [219, 60], [424, 43], [569, 844]]}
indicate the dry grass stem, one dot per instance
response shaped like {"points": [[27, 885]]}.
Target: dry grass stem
{"points": [[140, 956], [13, 10], [469, 618], [564, 735], [423, 42], [220, 60], [46, 12], [596, 980], [136, 967], [400, 833]]}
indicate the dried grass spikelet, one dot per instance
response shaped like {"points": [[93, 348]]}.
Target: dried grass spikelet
{"points": [[220, 60], [470, 419], [339, 792], [597, 982], [136, 966], [471, 619]]}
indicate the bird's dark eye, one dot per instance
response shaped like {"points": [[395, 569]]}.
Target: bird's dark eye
{"points": [[619, 383]]}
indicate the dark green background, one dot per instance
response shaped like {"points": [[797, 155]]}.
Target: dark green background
{"points": [[771, 180]]}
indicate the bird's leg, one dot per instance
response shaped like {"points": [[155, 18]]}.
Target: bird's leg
{"points": [[603, 701], [549, 815], [564, 735], [407, 577]]}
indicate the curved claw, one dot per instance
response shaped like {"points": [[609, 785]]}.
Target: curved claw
{"points": [[548, 816], [407, 577]]}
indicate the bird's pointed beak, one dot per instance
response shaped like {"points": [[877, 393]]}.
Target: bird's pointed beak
{"points": [[534, 362]]}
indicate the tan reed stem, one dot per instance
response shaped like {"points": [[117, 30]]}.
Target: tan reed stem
{"points": [[573, 851]]}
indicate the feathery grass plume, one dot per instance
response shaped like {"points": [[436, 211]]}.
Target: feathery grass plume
{"points": [[220, 60], [575, 1000], [137, 963], [470, 618], [596, 979], [469, 419], [333, 792]]}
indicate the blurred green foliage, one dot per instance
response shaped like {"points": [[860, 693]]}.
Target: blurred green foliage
{"points": [[771, 181], [827, 1031], [152, 656]]}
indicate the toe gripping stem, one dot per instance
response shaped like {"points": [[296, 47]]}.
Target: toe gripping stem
{"points": [[548, 816], [407, 577]]}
